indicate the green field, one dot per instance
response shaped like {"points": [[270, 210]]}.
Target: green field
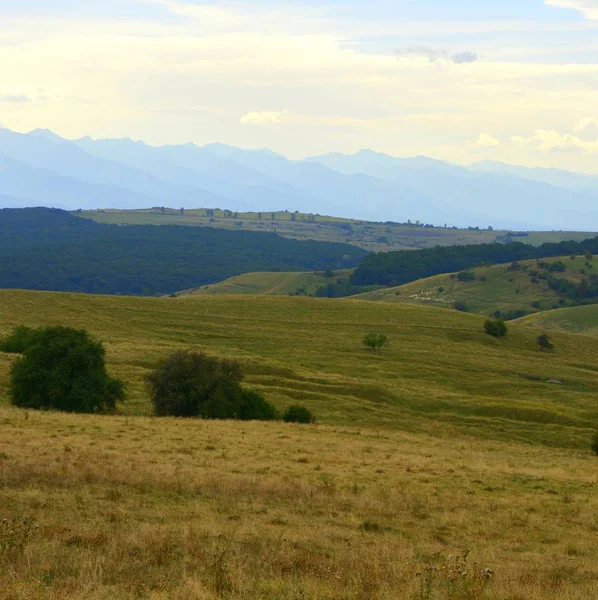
{"points": [[578, 319], [495, 288], [440, 374], [375, 237], [269, 284], [452, 466]]}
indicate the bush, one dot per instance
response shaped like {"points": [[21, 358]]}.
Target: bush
{"points": [[544, 343], [466, 276], [298, 414], [461, 306], [495, 327], [594, 444], [375, 341], [63, 369], [18, 340], [193, 384]]}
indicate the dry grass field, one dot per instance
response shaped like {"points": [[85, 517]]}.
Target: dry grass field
{"points": [[452, 466], [126, 508]]}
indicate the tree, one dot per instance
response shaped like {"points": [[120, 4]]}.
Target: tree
{"points": [[63, 369], [544, 343], [193, 384], [298, 414], [495, 327], [594, 444], [375, 341]]}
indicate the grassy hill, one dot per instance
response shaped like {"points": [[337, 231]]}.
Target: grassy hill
{"points": [[497, 287], [441, 373], [451, 466], [270, 284], [375, 237], [578, 319]]}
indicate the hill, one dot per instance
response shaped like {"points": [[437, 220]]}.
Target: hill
{"points": [[578, 319], [54, 250], [512, 290], [441, 373], [444, 459], [271, 284], [369, 235]]}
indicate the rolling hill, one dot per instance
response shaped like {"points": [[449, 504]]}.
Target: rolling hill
{"points": [[494, 288], [451, 454], [578, 319], [440, 374]]}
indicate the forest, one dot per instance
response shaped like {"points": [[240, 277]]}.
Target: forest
{"points": [[50, 249]]}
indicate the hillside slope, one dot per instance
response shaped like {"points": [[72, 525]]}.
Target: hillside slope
{"points": [[495, 288], [441, 373], [578, 319]]}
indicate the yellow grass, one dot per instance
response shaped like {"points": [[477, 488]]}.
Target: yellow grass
{"points": [[150, 508]]}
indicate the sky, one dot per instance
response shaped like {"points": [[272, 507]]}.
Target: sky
{"points": [[463, 81]]}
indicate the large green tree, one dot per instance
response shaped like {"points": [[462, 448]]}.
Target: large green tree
{"points": [[63, 369]]}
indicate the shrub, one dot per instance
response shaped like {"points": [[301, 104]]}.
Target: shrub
{"points": [[18, 340], [298, 414], [193, 384], [461, 306], [495, 327], [594, 444], [466, 276], [375, 341], [544, 343], [63, 369]]}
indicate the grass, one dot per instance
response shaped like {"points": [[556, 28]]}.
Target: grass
{"points": [[495, 288], [377, 237], [452, 466], [270, 284], [578, 319], [440, 374], [133, 508]]}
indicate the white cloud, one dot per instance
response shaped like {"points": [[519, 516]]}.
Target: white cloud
{"points": [[551, 141], [588, 7], [265, 117], [487, 141]]}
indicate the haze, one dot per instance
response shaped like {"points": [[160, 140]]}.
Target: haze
{"points": [[462, 82]]}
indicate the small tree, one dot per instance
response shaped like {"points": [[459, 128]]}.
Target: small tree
{"points": [[192, 384], [544, 343], [375, 341], [495, 327], [298, 414], [62, 369], [594, 444]]}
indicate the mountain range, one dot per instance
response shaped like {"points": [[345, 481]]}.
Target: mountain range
{"points": [[43, 169]]}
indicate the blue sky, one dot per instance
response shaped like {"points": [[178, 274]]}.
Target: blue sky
{"points": [[462, 81]]}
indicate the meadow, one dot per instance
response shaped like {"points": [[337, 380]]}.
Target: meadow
{"points": [[452, 466], [371, 236], [496, 287]]}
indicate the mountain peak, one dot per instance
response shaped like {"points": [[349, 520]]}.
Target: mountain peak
{"points": [[46, 134]]}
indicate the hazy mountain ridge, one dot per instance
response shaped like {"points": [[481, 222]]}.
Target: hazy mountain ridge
{"points": [[41, 168]]}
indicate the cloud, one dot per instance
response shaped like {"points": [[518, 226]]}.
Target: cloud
{"points": [[15, 99], [487, 141], [434, 55], [265, 117], [589, 8], [462, 58], [549, 141], [587, 129]]}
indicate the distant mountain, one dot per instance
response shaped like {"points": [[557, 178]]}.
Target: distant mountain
{"points": [[41, 168], [504, 199], [555, 177]]}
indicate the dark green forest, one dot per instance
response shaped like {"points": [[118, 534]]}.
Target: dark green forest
{"points": [[50, 249], [403, 266]]}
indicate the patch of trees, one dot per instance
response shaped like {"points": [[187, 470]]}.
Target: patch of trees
{"points": [[495, 327], [48, 249], [403, 266]]}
